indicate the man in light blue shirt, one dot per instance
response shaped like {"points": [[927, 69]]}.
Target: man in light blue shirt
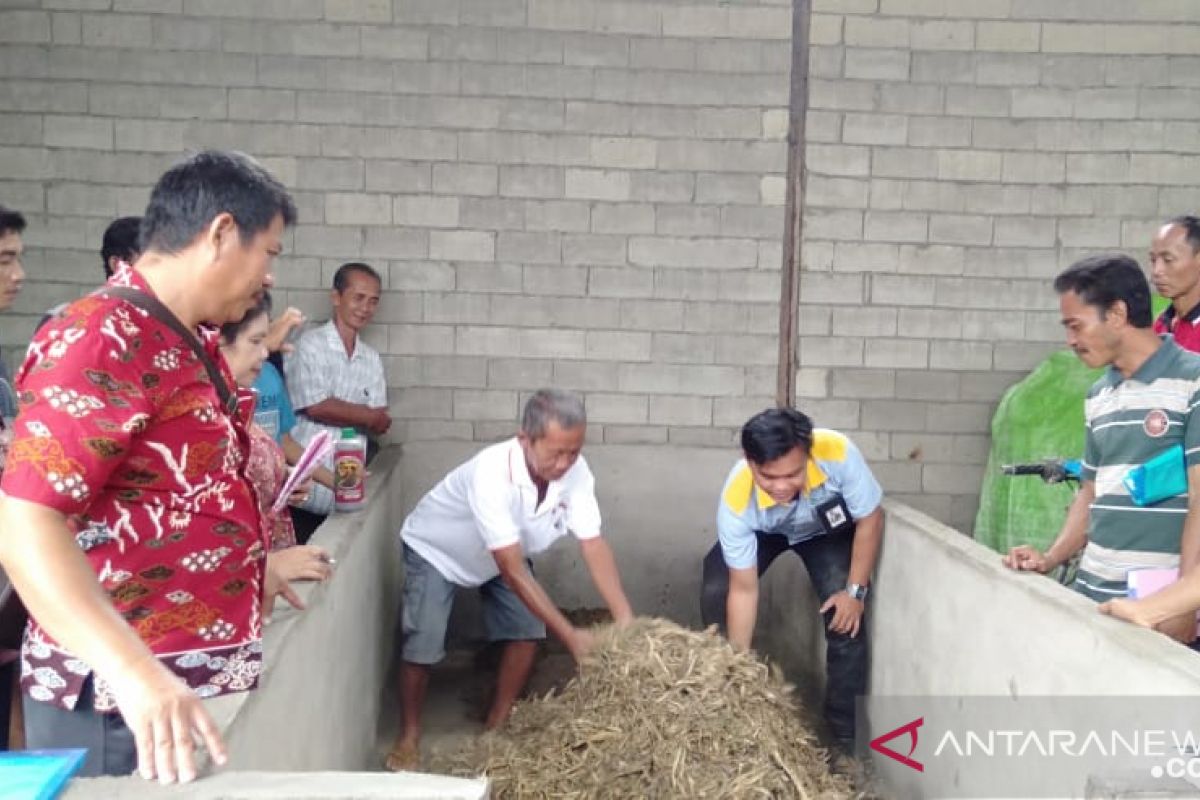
{"points": [[811, 492]]}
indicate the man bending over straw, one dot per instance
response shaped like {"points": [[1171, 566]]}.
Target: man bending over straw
{"points": [[809, 491], [477, 528]]}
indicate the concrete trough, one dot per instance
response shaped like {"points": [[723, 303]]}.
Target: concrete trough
{"points": [[946, 619]]}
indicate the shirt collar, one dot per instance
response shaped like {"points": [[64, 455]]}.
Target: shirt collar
{"points": [[335, 339], [1153, 367], [816, 477], [1167, 317], [209, 335], [518, 470]]}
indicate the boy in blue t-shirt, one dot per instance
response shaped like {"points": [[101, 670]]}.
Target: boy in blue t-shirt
{"points": [[274, 411]]}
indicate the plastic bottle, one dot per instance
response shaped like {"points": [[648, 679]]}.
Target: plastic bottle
{"points": [[349, 471]]}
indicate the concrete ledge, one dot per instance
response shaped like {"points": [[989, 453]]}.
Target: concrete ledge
{"points": [[324, 667], [1137, 786], [947, 618], [948, 621], [292, 786]]}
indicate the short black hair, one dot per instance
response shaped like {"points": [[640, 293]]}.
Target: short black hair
{"points": [[121, 239], [10, 221], [341, 278], [1191, 227], [1101, 281], [774, 433], [231, 330], [194, 192]]}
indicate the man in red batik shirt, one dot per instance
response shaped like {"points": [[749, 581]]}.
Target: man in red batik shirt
{"points": [[128, 527]]}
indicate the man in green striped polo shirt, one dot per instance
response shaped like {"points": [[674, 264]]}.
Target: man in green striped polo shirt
{"points": [[1141, 406]]}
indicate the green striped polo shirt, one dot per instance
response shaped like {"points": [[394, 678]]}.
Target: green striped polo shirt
{"points": [[1129, 421]]}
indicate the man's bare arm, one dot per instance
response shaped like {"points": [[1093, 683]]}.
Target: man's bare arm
{"points": [[511, 562], [60, 590], [332, 411], [1189, 544], [1071, 539], [868, 533], [603, 568], [741, 606]]}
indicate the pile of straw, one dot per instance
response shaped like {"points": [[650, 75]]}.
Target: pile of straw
{"points": [[657, 711]]}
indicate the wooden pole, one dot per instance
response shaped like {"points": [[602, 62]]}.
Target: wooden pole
{"points": [[789, 293]]}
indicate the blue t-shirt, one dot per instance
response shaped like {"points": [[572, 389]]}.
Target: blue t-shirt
{"points": [[274, 412], [836, 468]]}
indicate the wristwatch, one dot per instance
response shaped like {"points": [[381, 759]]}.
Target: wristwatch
{"points": [[857, 590]]}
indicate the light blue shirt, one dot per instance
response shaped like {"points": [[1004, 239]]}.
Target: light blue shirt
{"points": [[836, 468]]}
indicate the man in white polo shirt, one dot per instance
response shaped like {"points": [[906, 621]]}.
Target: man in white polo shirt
{"points": [[478, 527]]}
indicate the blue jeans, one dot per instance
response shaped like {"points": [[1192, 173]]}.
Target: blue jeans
{"points": [[827, 559]]}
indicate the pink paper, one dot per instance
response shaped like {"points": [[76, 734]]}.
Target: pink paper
{"points": [[318, 448], [1145, 582]]}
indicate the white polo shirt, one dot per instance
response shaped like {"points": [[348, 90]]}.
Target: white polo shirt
{"points": [[490, 502]]}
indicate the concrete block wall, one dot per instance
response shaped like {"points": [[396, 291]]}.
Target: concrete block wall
{"points": [[574, 192], [590, 193], [960, 154]]}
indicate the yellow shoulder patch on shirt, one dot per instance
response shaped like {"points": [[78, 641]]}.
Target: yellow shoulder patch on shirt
{"points": [[827, 446], [737, 493]]}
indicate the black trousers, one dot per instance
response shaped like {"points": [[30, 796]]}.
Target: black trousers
{"points": [[827, 559]]}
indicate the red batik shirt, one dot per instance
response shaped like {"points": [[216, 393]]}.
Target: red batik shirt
{"points": [[121, 430]]}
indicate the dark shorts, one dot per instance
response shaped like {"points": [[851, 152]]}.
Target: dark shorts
{"points": [[425, 611]]}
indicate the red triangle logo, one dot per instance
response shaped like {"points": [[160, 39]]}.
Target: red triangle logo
{"points": [[878, 744]]}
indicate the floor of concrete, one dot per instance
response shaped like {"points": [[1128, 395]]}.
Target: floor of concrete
{"points": [[460, 691]]}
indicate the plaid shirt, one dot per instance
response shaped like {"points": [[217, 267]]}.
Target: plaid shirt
{"points": [[319, 369], [121, 431]]}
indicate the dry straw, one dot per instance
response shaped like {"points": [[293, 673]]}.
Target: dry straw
{"points": [[657, 711]]}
